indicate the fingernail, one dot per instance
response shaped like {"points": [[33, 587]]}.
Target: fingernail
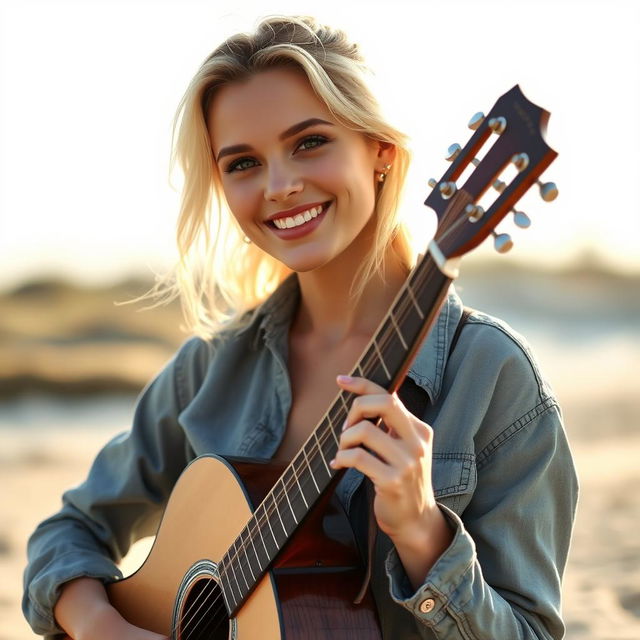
{"points": [[332, 463], [345, 379], [344, 425]]}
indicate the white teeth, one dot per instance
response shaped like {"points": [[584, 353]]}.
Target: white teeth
{"points": [[300, 218]]}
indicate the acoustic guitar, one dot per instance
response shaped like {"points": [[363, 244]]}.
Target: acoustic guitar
{"points": [[252, 550]]}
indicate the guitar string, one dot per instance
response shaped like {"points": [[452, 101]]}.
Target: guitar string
{"points": [[324, 436], [386, 335]]}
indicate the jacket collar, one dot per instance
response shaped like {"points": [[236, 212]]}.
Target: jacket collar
{"points": [[271, 320]]}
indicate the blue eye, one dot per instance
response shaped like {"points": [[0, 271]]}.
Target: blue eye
{"points": [[310, 142], [241, 164]]}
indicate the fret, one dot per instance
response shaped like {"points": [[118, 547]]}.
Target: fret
{"points": [[319, 446], [309, 467], [285, 514], [286, 493], [276, 502], [397, 330], [329, 443], [413, 299], [384, 366], [225, 591], [277, 508], [344, 403], [273, 535], [259, 529], [332, 429], [295, 473], [238, 560], [235, 577], [259, 564], [249, 552]]}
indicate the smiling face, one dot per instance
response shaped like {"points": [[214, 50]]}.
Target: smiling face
{"points": [[300, 185]]}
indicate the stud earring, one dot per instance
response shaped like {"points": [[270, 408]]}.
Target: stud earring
{"points": [[383, 174], [247, 240]]}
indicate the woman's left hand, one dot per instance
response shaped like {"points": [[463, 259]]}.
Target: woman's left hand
{"points": [[398, 460]]}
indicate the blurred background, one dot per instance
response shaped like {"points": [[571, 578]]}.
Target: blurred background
{"points": [[88, 90]]}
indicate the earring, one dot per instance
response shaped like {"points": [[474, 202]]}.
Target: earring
{"points": [[383, 174], [247, 240]]}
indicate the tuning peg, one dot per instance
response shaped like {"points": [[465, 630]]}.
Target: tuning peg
{"points": [[548, 190], [476, 120], [498, 125], [447, 189], [432, 182], [452, 152], [521, 219], [521, 160], [474, 212], [502, 242], [500, 186]]}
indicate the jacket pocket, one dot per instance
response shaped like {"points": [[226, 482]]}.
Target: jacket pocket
{"points": [[454, 479]]}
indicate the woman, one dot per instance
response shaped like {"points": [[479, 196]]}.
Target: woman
{"points": [[474, 497]]}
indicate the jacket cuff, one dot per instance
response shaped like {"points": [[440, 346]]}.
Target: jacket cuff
{"points": [[43, 593], [439, 590]]}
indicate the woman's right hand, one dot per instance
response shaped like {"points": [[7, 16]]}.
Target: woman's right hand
{"points": [[110, 625], [85, 613]]}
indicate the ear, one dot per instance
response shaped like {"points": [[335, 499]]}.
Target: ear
{"points": [[385, 154]]}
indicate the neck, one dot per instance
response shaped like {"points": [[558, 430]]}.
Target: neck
{"points": [[328, 311]]}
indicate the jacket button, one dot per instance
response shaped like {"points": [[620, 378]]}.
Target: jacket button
{"points": [[427, 605]]}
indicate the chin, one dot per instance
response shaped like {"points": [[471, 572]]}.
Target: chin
{"points": [[306, 263]]}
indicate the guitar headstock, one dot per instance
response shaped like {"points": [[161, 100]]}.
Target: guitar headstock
{"points": [[518, 127]]}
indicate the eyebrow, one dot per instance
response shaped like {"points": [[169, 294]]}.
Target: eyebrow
{"points": [[291, 131]]}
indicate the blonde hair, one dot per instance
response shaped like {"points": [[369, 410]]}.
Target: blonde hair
{"points": [[219, 277]]}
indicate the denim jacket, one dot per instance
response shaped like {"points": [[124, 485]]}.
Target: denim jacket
{"points": [[502, 473]]}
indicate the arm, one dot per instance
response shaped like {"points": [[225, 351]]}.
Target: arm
{"points": [[121, 500], [83, 610], [499, 577]]}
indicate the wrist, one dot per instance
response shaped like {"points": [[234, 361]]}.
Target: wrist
{"points": [[422, 532], [419, 544], [100, 616], [82, 606]]}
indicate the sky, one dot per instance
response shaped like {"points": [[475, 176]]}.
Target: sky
{"points": [[89, 88]]}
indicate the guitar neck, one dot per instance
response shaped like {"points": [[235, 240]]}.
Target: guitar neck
{"points": [[385, 361]]}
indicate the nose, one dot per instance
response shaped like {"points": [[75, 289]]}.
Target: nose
{"points": [[282, 181]]}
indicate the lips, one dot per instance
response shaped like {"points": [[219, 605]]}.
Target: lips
{"points": [[299, 221], [288, 222]]}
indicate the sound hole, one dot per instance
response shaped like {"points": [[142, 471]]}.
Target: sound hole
{"points": [[203, 615]]}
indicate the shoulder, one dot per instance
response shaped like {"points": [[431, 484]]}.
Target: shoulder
{"points": [[232, 349], [496, 386], [491, 346]]}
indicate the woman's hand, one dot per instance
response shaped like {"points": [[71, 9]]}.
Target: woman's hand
{"points": [[112, 626], [398, 462], [85, 613]]}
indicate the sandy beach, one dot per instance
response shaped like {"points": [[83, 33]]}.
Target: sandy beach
{"points": [[47, 443]]}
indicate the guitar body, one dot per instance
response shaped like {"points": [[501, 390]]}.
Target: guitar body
{"points": [[307, 594]]}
